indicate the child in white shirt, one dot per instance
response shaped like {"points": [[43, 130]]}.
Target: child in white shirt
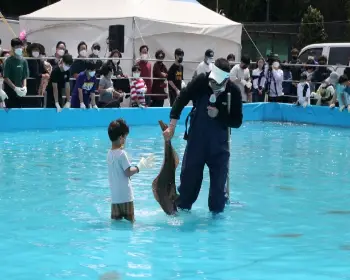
{"points": [[303, 91], [120, 171]]}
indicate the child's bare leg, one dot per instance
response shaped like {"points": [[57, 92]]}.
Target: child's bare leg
{"points": [[116, 213], [129, 211]]}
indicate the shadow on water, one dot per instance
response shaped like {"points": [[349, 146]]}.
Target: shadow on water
{"points": [[338, 212]]}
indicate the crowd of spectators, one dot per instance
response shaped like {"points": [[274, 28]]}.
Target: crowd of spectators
{"points": [[64, 82]]}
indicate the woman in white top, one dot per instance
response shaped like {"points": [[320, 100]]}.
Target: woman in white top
{"points": [[259, 81], [274, 80]]}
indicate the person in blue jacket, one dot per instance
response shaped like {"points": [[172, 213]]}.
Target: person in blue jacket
{"points": [[207, 137]]}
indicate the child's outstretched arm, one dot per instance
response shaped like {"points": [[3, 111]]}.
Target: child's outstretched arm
{"points": [[130, 171]]}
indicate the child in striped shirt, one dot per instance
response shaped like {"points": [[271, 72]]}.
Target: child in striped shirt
{"points": [[138, 88]]}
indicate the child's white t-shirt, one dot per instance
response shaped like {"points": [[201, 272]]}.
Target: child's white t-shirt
{"points": [[300, 91], [119, 183]]}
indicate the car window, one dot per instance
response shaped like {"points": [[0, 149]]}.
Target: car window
{"points": [[314, 52], [339, 55]]}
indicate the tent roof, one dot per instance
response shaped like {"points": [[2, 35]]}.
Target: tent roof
{"points": [[172, 11]]}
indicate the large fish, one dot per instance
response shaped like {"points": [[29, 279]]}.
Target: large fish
{"points": [[164, 188]]}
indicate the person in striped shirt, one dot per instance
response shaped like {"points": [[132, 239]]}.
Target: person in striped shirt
{"points": [[138, 88]]}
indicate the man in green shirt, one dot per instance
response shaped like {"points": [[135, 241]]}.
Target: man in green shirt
{"points": [[15, 75]]}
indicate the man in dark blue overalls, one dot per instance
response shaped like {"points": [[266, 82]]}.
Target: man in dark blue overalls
{"points": [[207, 137]]}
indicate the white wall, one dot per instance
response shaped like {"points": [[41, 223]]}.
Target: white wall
{"points": [[6, 35]]}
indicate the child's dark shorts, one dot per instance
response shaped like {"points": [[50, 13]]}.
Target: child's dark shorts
{"points": [[123, 210]]}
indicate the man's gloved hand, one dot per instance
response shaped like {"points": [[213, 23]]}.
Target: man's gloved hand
{"points": [[183, 84], [249, 85], [82, 105], [342, 108], [146, 162], [19, 92], [58, 107], [67, 105], [110, 90], [332, 106], [95, 107], [243, 82], [305, 104], [212, 111], [3, 95], [24, 91]]}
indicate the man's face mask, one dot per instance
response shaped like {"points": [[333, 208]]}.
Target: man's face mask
{"points": [[217, 88], [322, 62]]}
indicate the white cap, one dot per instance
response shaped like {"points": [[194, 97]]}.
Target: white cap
{"points": [[218, 75]]}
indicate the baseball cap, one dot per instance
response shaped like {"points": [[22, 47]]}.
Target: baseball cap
{"points": [[333, 78], [209, 53]]}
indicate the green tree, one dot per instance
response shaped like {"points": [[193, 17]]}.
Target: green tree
{"points": [[312, 28]]}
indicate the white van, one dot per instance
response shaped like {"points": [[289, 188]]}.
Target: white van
{"points": [[337, 53]]}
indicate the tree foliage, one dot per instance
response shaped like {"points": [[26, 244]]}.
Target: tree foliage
{"points": [[312, 27]]}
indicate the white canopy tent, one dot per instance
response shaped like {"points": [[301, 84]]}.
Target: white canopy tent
{"points": [[160, 24]]}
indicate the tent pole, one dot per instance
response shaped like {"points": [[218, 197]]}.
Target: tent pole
{"points": [[133, 40]]}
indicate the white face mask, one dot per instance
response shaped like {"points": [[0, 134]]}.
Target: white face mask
{"points": [[60, 52], [19, 51], [66, 67], [35, 54], [136, 74], [276, 64], [209, 61], [82, 53], [92, 73], [95, 52], [144, 56], [116, 60]]}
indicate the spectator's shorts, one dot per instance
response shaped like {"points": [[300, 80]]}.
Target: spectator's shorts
{"points": [[123, 210]]}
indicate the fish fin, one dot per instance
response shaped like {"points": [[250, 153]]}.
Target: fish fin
{"points": [[163, 126]]}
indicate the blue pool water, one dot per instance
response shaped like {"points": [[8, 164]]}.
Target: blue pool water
{"points": [[293, 182]]}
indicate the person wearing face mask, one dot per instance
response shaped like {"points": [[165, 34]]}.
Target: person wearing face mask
{"points": [[259, 81], [109, 97], [36, 68], [176, 76], [83, 93], [326, 91], [321, 73], [206, 65], [120, 81], [231, 58], [16, 73], [274, 80], [96, 49], [240, 75], [207, 138], [138, 88], [304, 92], [296, 70], [5, 54], [59, 81], [146, 70], [78, 65], [341, 94], [61, 49], [159, 85]]}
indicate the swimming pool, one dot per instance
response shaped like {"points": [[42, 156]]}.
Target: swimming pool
{"points": [[293, 182]]}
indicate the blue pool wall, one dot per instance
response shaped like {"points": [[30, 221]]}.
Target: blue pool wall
{"points": [[38, 119]]}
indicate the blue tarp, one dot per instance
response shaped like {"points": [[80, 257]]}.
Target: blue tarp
{"points": [[28, 119]]}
